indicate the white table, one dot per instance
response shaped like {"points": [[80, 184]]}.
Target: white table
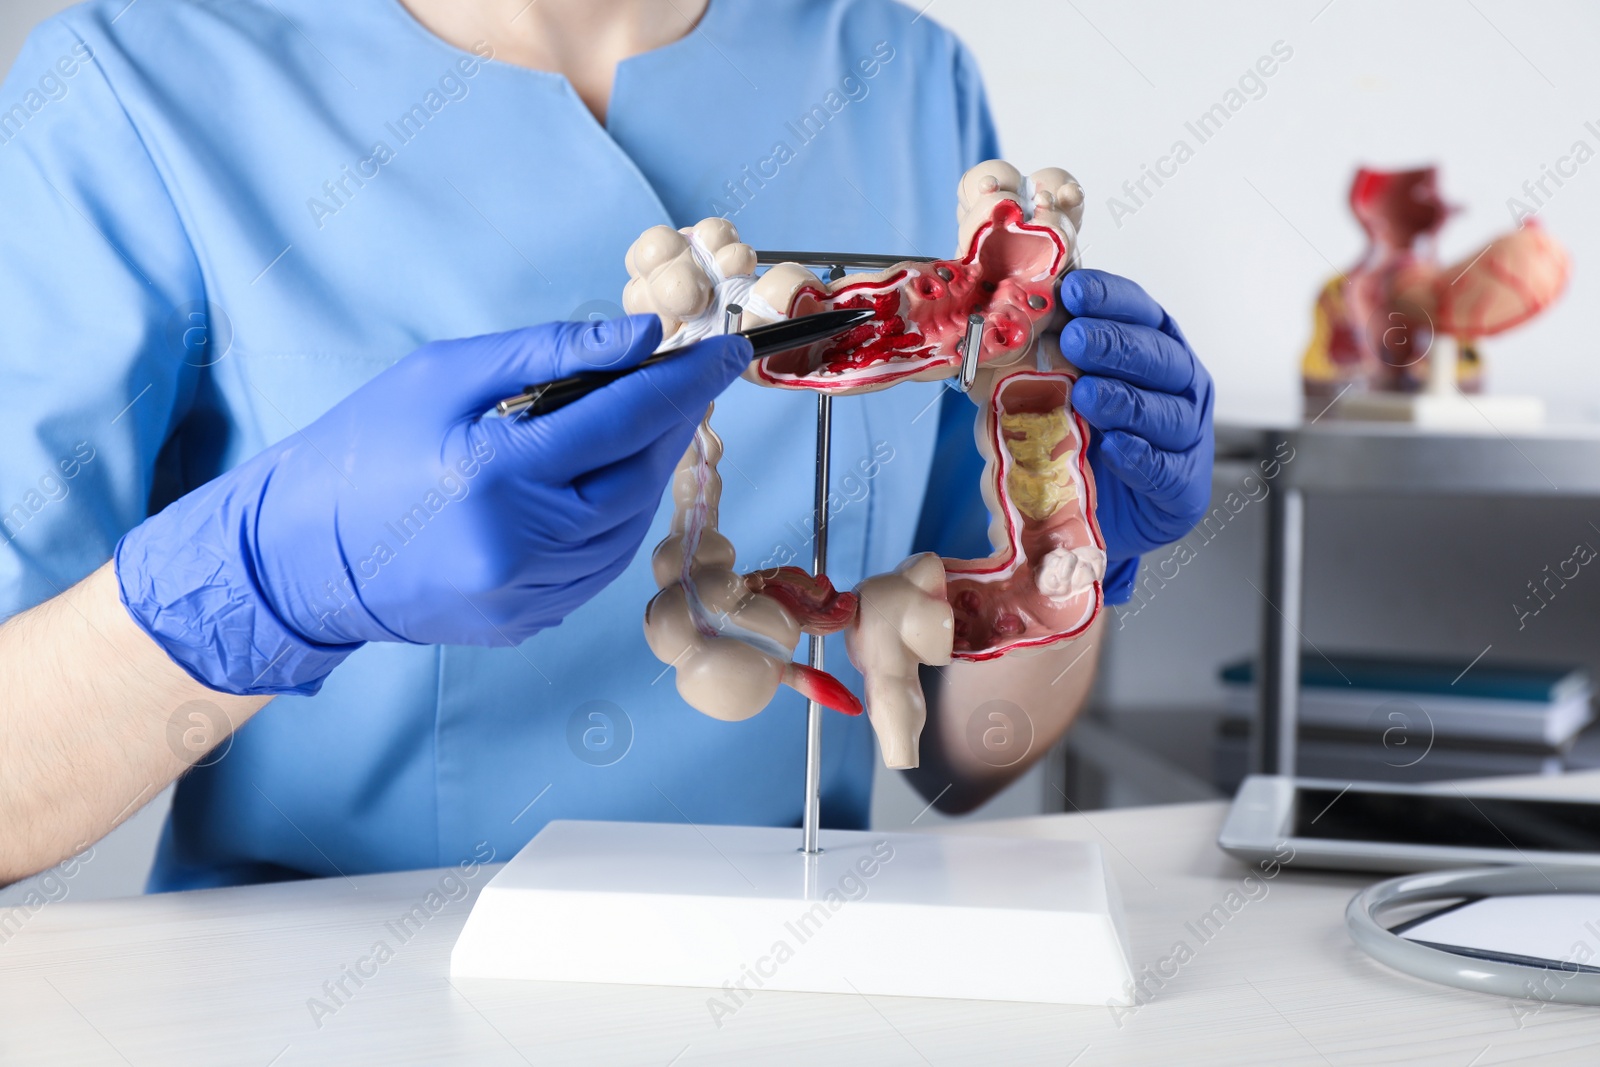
{"points": [[225, 976]]}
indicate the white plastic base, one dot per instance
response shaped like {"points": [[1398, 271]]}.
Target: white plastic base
{"points": [[1444, 410], [740, 907]]}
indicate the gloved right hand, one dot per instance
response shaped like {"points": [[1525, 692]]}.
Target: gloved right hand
{"points": [[402, 514], [1150, 403]]}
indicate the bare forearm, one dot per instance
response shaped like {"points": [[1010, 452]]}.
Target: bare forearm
{"points": [[989, 722], [95, 720]]}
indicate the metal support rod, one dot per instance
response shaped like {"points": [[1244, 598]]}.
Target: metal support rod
{"points": [[819, 565], [971, 349], [1278, 669]]}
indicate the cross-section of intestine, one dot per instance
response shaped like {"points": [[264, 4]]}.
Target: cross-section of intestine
{"points": [[731, 637], [1013, 252], [1042, 585]]}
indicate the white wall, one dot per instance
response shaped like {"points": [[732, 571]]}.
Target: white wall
{"points": [[17, 17], [1491, 97]]}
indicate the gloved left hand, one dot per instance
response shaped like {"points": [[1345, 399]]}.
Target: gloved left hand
{"points": [[1148, 400]]}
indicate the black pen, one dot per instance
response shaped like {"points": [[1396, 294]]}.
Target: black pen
{"points": [[766, 340]]}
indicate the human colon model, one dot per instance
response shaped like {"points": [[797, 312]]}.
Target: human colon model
{"points": [[731, 636], [1376, 324]]}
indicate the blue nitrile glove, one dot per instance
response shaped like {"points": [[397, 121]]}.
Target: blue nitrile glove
{"points": [[1147, 399], [404, 515]]}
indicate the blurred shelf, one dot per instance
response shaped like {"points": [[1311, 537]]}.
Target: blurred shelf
{"points": [[1375, 457]]}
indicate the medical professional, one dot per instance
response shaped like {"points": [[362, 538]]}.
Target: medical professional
{"points": [[256, 532]]}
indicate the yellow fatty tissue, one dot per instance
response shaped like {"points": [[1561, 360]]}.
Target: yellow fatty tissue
{"points": [[1037, 483]]}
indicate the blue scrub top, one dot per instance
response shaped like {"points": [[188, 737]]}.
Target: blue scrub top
{"points": [[222, 217]]}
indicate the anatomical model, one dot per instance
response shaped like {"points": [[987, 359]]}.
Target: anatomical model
{"points": [[1379, 325], [731, 636]]}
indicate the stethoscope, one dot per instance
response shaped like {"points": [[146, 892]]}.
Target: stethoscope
{"points": [[1561, 983]]}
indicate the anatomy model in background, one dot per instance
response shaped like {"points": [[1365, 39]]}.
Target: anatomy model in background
{"points": [[1396, 336], [731, 636]]}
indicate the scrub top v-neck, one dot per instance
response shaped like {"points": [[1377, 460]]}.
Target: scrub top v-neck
{"points": [[329, 186]]}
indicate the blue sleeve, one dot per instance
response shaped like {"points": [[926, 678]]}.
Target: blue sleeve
{"points": [[96, 274], [954, 520]]}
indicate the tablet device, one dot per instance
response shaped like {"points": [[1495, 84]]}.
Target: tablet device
{"points": [[1311, 822]]}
